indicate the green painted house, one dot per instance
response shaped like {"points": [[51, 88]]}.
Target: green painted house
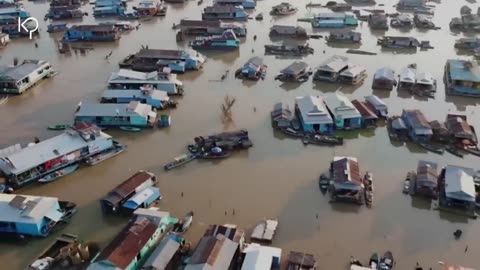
{"points": [[132, 245]]}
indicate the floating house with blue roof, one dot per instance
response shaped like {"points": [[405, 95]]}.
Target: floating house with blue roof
{"points": [[108, 8], [313, 115], [18, 79], [218, 12], [100, 32], [419, 129], [20, 166], [142, 199], [155, 98], [134, 114], [246, 4], [344, 113], [16, 12], [29, 215], [462, 78], [334, 20]]}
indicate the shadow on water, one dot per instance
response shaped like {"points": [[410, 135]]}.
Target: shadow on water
{"points": [[377, 32], [453, 218], [290, 85], [460, 102], [226, 57], [338, 45], [327, 87], [407, 95], [421, 203], [381, 93], [406, 51], [345, 207]]}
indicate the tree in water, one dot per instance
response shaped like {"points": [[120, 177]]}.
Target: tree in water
{"points": [[226, 107]]}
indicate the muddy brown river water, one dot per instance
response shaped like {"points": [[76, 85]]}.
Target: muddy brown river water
{"points": [[277, 178]]}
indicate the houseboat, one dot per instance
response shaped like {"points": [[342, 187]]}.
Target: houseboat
{"points": [[151, 8], [353, 75], [64, 13], [369, 118], [457, 189], [378, 21], [425, 84], [246, 4], [226, 41], [312, 114], [25, 215], [17, 79], [16, 12], [467, 43], [402, 21], [426, 179], [108, 11], [283, 9], [296, 72], [283, 49], [423, 22], [20, 166], [345, 115], [261, 257], [57, 27], [377, 105], [205, 28], [333, 20], [155, 98], [337, 69], [419, 129], [4, 40], [92, 33], [406, 79], [347, 183], [65, 3], [128, 79], [300, 260], [133, 114], [288, 31], [462, 78], [217, 12], [384, 78], [398, 42], [344, 36], [148, 60], [254, 69], [119, 197]]}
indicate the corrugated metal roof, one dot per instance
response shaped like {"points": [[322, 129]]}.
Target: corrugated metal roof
{"points": [[32, 156], [376, 102], [424, 78], [95, 27], [295, 68], [461, 70], [29, 211], [146, 194], [416, 119], [123, 249], [127, 187], [384, 73], [152, 93], [459, 183], [136, 75], [105, 109], [352, 71], [254, 62], [231, 233], [407, 75], [259, 257], [364, 110], [301, 259], [162, 255], [199, 23], [313, 110], [21, 71], [334, 64], [341, 107], [346, 169], [213, 252], [221, 9], [458, 125]]}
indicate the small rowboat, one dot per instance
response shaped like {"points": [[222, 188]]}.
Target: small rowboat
{"points": [[57, 174], [182, 225], [58, 127], [131, 129]]}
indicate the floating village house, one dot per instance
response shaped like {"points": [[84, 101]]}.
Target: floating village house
{"points": [[411, 3], [281, 116], [298, 71], [4, 40], [417, 124], [287, 30], [16, 12], [378, 21], [313, 115], [136, 240], [347, 182], [369, 118], [407, 78], [426, 181], [337, 69], [460, 131], [440, 131], [20, 166], [128, 79], [462, 78], [377, 105], [104, 8], [254, 69], [199, 27], [261, 257], [213, 252], [148, 60], [246, 4], [164, 256], [459, 187], [344, 114], [301, 261], [133, 114], [345, 36], [28, 215], [17, 79], [217, 12], [123, 195], [333, 20], [384, 78], [101, 32], [155, 98]]}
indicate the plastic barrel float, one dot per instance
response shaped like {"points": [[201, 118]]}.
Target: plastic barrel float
{"points": [[165, 120]]}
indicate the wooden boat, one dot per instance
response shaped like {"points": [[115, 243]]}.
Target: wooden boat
{"points": [[127, 61], [454, 151], [49, 256], [322, 140], [406, 184], [387, 261], [182, 225], [69, 209], [3, 99], [93, 160], [368, 183], [131, 129], [432, 148], [180, 160], [354, 51], [324, 182], [212, 155], [292, 132], [374, 261], [58, 127], [57, 174], [474, 152], [259, 17]]}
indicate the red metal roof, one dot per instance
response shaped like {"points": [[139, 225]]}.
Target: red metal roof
{"points": [[346, 169], [128, 187], [364, 109]]}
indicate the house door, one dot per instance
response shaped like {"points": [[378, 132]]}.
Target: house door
{"points": [[316, 127], [347, 123]]}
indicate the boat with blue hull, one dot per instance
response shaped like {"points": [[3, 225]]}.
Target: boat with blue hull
{"points": [[57, 174], [226, 41]]}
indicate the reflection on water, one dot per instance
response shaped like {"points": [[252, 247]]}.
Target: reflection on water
{"points": [[278, 177]]}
